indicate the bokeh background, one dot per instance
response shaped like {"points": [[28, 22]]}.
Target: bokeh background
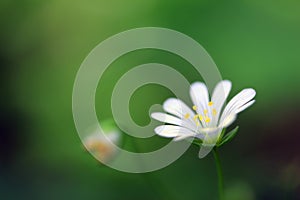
{"points": [[254, 43]]}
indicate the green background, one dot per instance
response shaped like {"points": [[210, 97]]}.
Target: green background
{"points": [[254, 44]]}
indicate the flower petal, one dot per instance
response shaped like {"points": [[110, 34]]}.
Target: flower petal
{"points": [[227, 121], [199, 96], [245, 106], [170, 131], [237, 102], [179, 109], [208, 130], [219, 96], [163, 117], [184, 136]]}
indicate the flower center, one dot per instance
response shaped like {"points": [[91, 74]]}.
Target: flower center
{"points": [[204, 117]]}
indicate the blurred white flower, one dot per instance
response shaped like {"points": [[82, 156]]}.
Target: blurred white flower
{"points": [[206, 119], [103, 147]]}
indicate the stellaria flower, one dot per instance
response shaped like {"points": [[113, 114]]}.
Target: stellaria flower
{"points": [[103, 146], [206, 119]]}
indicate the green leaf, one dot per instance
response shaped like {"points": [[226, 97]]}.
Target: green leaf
{"points": [[197, 142], [221, 135], [228, 137]]}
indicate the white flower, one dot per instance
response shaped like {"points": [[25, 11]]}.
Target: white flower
{"points": [[102, 147], [206, 119]]}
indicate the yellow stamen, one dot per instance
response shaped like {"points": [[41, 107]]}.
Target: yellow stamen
{"points": [[201, 117], [210, 103], [207, 119], [194, 107], [195, 117], [214, 111], [187, 115], [205, 112]]}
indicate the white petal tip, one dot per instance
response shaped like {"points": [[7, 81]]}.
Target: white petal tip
{"points": [[251, 91], [226, 82], [156, 115]]}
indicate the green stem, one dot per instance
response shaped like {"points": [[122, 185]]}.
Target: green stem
{"points": [[219, 171]]}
